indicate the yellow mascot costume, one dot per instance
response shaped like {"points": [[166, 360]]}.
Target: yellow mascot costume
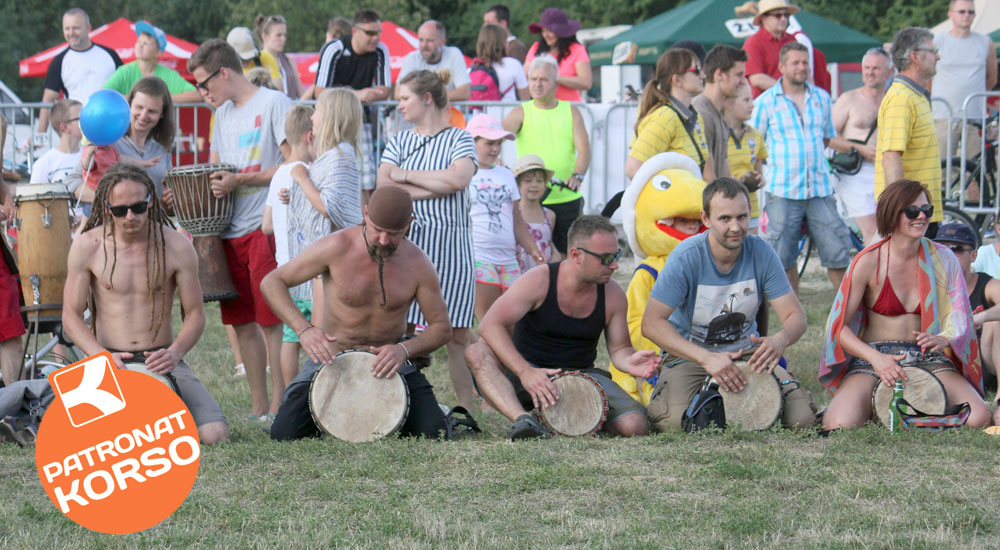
{"points": [[663, 197]]}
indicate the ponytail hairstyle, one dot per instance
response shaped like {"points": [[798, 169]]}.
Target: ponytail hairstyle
{"points": [[673, 62], [429, 82]]}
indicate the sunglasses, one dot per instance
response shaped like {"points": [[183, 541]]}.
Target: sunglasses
{"points": [[696, 70], [372, 34], [912, 212], [204, 83], [965, 12], [138, 208], [780, 15], [959, 249], [606, 259]]}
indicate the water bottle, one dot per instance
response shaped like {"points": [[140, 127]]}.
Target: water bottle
{"points": [[895, 418]]}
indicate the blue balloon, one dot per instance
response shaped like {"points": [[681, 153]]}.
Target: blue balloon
{"points": [[105, 117]]}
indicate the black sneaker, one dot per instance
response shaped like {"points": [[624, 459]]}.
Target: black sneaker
{"points": [[526, 427]]}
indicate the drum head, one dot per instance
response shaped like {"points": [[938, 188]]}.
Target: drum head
{"points": [[349, 403], [921, 389], [581, 408], [39, 191], [168, 380], [758, 406]]}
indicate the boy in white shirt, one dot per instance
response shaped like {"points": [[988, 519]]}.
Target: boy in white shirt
{"points": [[53, 166], [299, 135], [988, 259]]}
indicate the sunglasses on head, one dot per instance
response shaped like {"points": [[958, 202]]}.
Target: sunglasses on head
{"points": [[912, 212], [606, 259], [136, 208]]}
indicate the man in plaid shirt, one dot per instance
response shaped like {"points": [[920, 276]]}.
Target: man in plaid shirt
{"points": [[795, 119]]}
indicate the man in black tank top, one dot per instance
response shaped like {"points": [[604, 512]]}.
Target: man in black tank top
{"points": [[984, 295], [550, 321]]}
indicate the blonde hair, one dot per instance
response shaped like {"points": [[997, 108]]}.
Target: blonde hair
{"points": [[260, 77], [429, 82], [298, 123], [60, 113], [341, 121]]}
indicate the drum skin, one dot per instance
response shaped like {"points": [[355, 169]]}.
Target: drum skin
{"points": [[758, 405], [168, 380], [205, 217], [42, 250], [582, 407], [921, 389], [348, 402]]}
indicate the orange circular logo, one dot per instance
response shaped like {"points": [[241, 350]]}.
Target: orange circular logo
{"points": [[117, 451]]}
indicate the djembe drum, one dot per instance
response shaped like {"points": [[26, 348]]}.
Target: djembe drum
{"points": [[921, 389], [759, 405], [167, 379], [582, 407], [205, 217], [43, 239], [349, 403]]}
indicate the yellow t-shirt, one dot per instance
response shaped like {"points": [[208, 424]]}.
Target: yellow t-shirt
{"points": [[662, 131], [905, 124], [270, 63], [743, 155]]}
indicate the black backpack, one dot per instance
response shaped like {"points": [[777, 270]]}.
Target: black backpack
{"points": [[705, 409]]}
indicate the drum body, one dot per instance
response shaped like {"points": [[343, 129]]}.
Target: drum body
{"points": [[582, 407], [349, 403], [205, 217], [43, 240], [168, 379], [758, 406], [921, 389]]}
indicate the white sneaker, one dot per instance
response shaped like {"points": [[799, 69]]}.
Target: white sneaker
{"points": [[240, 370]]}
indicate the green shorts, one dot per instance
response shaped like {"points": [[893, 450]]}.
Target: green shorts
{"points": [[305, 306]]}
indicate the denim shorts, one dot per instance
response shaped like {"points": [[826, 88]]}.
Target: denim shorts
{"points": [[828, 232]]}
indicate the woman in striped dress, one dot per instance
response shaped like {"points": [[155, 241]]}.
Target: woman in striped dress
{"points": [[434, 162]]}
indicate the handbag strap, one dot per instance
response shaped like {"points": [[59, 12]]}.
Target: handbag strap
{"points": [[870, 132], [424, 143], [690, 133]]}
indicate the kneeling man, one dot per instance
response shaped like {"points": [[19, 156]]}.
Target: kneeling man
{"points": [[371, 274], [132, 262], [703, 308], [551, 320]]}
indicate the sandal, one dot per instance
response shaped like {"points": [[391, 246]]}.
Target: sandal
{"points": [[526, 427]]}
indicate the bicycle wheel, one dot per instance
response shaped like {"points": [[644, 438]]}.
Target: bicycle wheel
{"points": [[952, 214], [805, 250]]}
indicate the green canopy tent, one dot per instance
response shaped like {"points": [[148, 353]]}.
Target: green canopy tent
{"points": [[714, 22]]}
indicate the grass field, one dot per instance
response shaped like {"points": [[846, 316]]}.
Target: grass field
{"points": [[860, 489]]}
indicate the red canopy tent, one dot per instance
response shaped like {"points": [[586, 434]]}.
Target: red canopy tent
{"points": [[120, 36], [400, 42]]}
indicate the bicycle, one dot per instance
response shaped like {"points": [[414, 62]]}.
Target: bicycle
{"points": [[987, 182]]}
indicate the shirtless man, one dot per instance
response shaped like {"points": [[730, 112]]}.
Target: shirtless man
{"points": [[371, 273], [133, 264], [854, 117]]}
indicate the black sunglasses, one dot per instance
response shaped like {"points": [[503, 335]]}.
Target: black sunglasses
{"points": [[606, 259], [138, 208], [912, 212], [204, 83], [372, 34], [959, 249]]}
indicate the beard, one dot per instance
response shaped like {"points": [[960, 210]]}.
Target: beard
{"points": [[377, 252]]}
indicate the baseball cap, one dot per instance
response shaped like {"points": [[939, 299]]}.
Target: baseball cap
{"points": [[157, 33], [956, 233], [531, 162], [484, 126], [241, 39]]}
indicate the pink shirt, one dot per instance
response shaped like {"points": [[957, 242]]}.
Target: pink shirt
{"points": [[567, 67]]}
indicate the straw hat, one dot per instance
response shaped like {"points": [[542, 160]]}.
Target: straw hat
{"points": [[771, 5]]}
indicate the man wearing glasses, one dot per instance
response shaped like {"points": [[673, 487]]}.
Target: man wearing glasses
{"points": [[551, 320], [703, 308], [907, 145], [968, 65], [249, 133], [984, 295], [132, 263], [362, 64], [763, 46]]}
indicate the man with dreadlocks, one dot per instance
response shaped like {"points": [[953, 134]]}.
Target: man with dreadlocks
{"points": [[132, 263], [371, 273]]}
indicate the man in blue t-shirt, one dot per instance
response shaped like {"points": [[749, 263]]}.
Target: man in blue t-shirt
{"points": [[703, 308]]}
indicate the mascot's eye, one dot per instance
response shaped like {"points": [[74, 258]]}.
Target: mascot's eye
{"points": [[661, 182]]}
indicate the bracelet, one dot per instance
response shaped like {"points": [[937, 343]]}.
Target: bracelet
{"points": [[400, 344], [303, 331]]}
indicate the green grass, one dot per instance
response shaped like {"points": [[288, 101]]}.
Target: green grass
{"points": [[860, 489]]}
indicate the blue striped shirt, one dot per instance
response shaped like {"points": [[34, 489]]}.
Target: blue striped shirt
{"points": [[796, 167]]}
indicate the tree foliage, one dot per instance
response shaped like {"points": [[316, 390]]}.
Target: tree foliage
{"points": [[35, 26]]}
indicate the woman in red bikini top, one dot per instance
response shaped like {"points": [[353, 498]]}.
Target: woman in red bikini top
{"points": [[884, 282]]}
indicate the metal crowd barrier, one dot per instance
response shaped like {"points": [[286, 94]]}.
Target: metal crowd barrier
{"points": [[987, 128]]}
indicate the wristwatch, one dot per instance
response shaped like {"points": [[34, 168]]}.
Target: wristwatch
{"points": [[578, 176]]}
